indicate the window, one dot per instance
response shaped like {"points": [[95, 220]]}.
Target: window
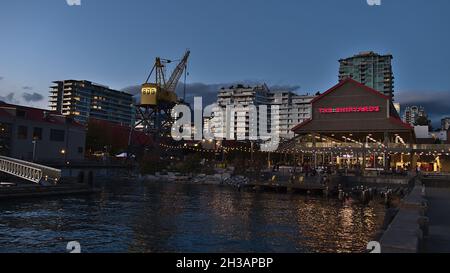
{"points": [[21, 113], [57, 135], [22, 132], [37, 133]]}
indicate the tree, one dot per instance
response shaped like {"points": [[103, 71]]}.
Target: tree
{"points": [[422, 121]]}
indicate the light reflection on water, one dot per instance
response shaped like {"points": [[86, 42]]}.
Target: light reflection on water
{"points": [[145, 217]]}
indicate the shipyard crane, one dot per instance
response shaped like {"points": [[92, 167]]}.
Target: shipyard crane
{"points": [[162, 92], [158, 97]]}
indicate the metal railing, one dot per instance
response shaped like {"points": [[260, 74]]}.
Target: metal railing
{"points": [[443, 148], [29, 171]]}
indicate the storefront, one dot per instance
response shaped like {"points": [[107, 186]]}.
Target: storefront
{"points": [[354, 125]]}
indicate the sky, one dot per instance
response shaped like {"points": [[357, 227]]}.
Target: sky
{"points": [[291, 44]]}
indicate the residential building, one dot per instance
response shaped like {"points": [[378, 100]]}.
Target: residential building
{"points": [[445, 124], [413, 113], [370, 69], [397, 107], [39, 135], [424, 136], [294, 109], [241, 98], [83, 100]]}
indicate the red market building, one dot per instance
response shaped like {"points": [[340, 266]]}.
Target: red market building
{"points": [[352, 124]]}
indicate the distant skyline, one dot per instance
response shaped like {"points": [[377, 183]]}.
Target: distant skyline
{"points": [[289, 43]]}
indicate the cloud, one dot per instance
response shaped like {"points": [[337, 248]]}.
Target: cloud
{"points": [[9, 98], [1, 78], [291, 88], [209, 91], [435, 103], [35, 97], [27, 88]]}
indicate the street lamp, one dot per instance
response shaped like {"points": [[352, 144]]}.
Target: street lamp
{"points": [[34, 149]]}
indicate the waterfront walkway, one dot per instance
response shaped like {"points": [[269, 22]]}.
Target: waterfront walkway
{"points": [[439, 215]]}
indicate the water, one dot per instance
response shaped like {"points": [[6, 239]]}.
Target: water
{"points": [[147, 217]]}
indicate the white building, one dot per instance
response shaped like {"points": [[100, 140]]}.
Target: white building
{"points": [[412, 113], [423, 132], [239, 100], [293, 110], [445, 124]]}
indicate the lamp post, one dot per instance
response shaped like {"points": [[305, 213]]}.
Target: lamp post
{"points": [[34, 149], [251, 155]]}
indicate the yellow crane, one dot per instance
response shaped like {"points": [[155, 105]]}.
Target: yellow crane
{"points": [[153, 112], [161, 93]]}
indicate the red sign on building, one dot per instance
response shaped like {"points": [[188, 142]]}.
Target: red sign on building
{"points": [[349, 109]]}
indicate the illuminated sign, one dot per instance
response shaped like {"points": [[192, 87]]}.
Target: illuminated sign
{"points": [[349, 109]]}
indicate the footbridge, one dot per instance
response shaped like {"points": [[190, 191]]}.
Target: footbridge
{"points": [[29, 171]]}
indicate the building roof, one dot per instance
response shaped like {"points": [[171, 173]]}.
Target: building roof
{"points": [[122, 132], [365, 54], [34, 114], [364, 87], [393, 120]]}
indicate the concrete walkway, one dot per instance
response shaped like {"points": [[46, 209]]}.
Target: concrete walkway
{"points": [[439, 215]]}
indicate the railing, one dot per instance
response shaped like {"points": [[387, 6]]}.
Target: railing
{"points": [[440, 148], [29, 171]]}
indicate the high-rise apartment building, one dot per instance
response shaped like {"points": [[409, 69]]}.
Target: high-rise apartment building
{"points": [[293, 109], [241, 98], [445, 124], [83, 100], [370, 69], [412, 113]]}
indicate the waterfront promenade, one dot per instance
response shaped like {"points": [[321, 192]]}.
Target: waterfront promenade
{"points": [[439, 215]]}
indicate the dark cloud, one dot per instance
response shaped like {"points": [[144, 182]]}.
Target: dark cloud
{"points": [[209, 91], [133, 90], [34, 97], [291, 88], [27, 88], [436, 103], [9, 98]]}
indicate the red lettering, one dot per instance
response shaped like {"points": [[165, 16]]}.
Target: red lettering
{"points": [[350, 109]]}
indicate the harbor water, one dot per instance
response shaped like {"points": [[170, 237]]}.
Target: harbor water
{"points": [[156, 217]]}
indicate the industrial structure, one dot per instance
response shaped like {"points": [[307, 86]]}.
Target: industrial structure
{"points": [[153, 113]]}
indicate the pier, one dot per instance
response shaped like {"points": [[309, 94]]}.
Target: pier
{"points": [[27, 179], [421, 224]]}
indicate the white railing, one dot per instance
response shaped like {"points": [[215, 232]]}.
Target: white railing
{"points": [[29, 171]]}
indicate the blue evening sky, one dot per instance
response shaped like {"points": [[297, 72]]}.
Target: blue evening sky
{"points": [[281, 42]]}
